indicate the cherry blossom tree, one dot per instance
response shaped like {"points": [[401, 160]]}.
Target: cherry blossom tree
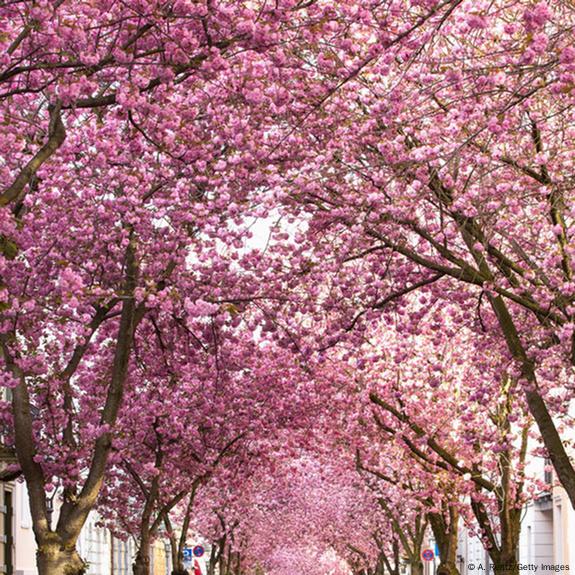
{"points": [[201, 408], [472, 447], [128, 140], [295, 517], [444, 166]]}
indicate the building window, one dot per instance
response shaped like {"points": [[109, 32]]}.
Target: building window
{"points": [[6, 533], [548, 474]]}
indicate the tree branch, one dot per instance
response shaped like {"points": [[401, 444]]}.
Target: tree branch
{"points": [[56, 136]]}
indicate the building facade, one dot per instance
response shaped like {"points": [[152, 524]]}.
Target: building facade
{"points": [[6, 527], [564, 529], [104, 554], [547, 538]]}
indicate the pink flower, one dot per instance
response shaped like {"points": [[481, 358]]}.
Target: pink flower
{"points": [[540, 42], [537, 16], [567, 55], [477, 22]]}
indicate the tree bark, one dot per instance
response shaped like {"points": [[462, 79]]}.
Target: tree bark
{"points": [[54, 559], [446, 537], [177, 554], [416, 567], [56, 136], [213, 561], [177, 545], [390, 562], [142, 563], [506, 565], [56, 547]]}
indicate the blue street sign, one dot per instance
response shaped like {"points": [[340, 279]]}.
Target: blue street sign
{"points": [[188, 554], [198, 551]]}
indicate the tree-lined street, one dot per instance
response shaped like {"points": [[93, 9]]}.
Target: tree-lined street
{"points": [[294, 278]]}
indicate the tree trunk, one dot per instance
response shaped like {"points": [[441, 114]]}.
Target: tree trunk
{"points": [[391, 562], [212, 563], [537, 406], [177, 554], [506, 565], [142, 563], [53, 559], [178, 545], [445, 533], [416, 567], [447, 568]]}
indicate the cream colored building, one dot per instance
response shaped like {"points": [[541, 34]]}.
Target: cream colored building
{"points": [[564, 518], [564, 532], [25, 545], [104, 554], [547, 537], [6, 528]]}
